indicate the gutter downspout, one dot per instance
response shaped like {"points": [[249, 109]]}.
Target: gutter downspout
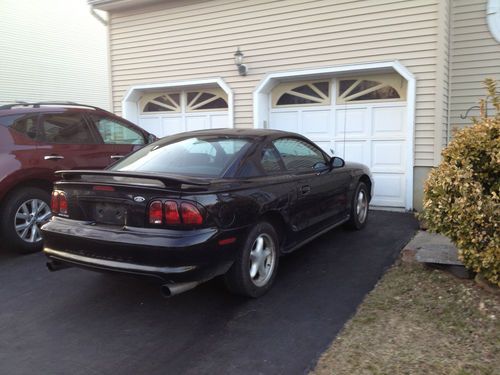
{"points": [[105, 23], [450, 63]]}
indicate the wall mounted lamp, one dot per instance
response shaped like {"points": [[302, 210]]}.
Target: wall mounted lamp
{"points": [[238, 60]]}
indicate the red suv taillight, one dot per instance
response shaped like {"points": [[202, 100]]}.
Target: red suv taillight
{"points": [[59, 203], [54, 202], [171, 213]]}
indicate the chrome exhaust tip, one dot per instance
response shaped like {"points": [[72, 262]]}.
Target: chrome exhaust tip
{"points": [[170, 290], [54, 266]]}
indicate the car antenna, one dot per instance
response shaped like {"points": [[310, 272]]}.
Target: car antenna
{"points": [[345, 121]]}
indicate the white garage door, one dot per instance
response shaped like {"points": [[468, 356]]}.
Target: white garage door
{"points": [[363, 121], [174, 112]]}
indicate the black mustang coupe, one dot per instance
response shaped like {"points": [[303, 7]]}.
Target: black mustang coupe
{"points": [[200, 204]]}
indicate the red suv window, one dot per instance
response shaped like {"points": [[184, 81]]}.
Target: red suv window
{"points": [[25, 124], [66, 128]]}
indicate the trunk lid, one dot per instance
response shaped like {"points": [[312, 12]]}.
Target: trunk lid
{"points": [[119, 198]]}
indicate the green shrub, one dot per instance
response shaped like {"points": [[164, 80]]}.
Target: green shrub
{"points": [[462, 195]]}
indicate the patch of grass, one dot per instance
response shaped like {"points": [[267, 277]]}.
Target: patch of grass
{"points": [[419, 321]]}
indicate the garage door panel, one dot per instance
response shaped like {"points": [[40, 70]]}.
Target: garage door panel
{"points": [[218, 121], [389, 189], [314, 122], [388, 121], [197, 123], [152, 125], [286, 121], [325, 145], [353, 121], [355, 151], [388, 156], [171, 125]]}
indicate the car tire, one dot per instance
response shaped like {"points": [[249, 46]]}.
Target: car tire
{"points": [[254, 270], [23, 212], [359, 207]]}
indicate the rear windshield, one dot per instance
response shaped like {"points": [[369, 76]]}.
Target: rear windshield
{"points": [[196, 156]]}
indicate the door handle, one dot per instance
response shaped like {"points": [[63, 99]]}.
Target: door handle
{"points": [[53, 157], [116, 156], [305, 189]]}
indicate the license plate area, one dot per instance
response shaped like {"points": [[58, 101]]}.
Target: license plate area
{"points": [[109, 213]]}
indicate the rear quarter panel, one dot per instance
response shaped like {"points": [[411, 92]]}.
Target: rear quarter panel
{"points": [[245, 202]]}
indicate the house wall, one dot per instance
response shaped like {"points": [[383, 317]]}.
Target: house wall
{"points": [[181, 40], [475, 55], [52, 50]]}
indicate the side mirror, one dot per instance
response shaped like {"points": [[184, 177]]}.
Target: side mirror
{"points": [[337, 162], [320, 167]]}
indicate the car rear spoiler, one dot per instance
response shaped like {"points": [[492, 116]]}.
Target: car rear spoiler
{"points": [[165, 179]]}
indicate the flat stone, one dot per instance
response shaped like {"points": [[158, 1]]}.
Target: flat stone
{"points": [[432, 248]]}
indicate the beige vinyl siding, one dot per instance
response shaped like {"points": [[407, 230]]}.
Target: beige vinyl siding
{"points": [[443, 75], [475, 55], [182, 40], [53, 50]]}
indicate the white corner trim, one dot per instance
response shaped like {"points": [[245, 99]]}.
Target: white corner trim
{"points": [[493, 18], [261, 102], [133, 94]]}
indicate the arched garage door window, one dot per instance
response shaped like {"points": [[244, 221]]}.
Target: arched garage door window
{"points": [[379, 88], [161, 103], [214, 100], [302, 93], [192, 101], [390, 87]]}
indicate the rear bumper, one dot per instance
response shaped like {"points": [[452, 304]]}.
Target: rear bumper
{"points": [[170, 255]]}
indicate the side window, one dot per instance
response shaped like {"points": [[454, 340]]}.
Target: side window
{"points": [[66, 128], [270, 161], [24, 124], [114, 132], [249, 169], [203, 148], [298, 155]]}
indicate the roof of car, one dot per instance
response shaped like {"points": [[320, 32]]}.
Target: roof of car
{"points": [[239, 132], [20, 108]]}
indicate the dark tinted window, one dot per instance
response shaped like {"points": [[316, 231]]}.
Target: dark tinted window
{"points": [[114, 132], [298, 155], [25, 124], [67, 128], [270, 161], [196, 156], [249, 169]]}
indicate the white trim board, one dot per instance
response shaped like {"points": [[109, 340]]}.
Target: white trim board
{"points": [[129, 103], [261, 108]]}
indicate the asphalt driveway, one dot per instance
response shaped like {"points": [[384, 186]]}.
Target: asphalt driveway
{"points": [[80, 322]]}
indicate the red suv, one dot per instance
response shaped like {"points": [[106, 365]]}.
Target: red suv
{"points": [[36, 139]]}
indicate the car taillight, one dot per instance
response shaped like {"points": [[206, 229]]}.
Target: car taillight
{"points": [[54, 202], [155, 212], [63, 204], [172, 213], [190, 214], [59, 203]]}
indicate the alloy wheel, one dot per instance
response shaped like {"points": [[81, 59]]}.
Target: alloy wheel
{"points": [[361, 206], [30, 216], [262, 260]]}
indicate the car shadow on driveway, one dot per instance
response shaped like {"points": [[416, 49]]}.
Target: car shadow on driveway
{"points": [[80, 322]]}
